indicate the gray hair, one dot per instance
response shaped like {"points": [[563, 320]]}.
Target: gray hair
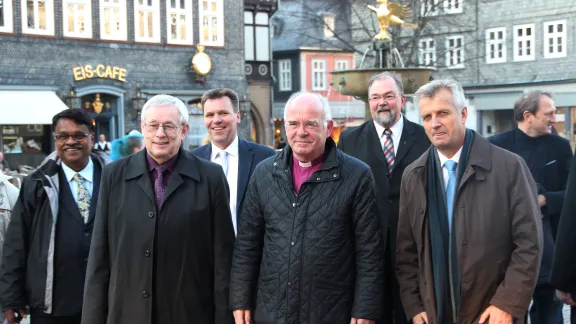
{"points": [[163, 100], [384, 75], [430, 89], [529, 102], [325, 107]]}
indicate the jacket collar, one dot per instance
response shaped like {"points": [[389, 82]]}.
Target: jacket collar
{"points": [[186, 164], [52, 162], [284, 158]]}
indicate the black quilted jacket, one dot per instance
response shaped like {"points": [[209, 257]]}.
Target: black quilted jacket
{"points": [[311, 258]]}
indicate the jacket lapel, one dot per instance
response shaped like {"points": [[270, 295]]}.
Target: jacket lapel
{"points": [[137, 167], [186, 165], [373, 144], [245, 159], [95, 190], [406, 141], [206, 151], [480, 156]]}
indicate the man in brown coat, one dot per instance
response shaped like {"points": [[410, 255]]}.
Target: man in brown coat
{"points": [[469, 234]]}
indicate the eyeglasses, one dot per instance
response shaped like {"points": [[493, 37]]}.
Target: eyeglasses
{"points": [[389, 97], [77, 137], [308, 125], [168, 128]]}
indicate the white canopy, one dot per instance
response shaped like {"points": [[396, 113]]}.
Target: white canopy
{"points": [[19, 107]]}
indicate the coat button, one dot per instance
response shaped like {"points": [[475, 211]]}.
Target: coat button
{"points": [[318, 179], [293, 204], [275, 163], [285, 170], [292, 243], [389, 201], [151, 214], [86, 234], [289, 284], [145, 294], [147, 253], [335, 176]]}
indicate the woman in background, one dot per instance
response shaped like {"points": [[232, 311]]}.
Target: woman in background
{"points": [[127, 145]]}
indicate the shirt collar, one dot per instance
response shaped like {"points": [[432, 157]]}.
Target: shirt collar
{"points": [[396, 128], [152, 164], [232, 149], [455, 158], [87, 173]]}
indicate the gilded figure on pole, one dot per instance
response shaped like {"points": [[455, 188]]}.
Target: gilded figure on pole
{"points": [[391, 13]]}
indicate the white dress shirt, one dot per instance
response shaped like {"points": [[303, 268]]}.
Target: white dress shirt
{"points": [[396, 133], [232, 177], [87, 173], [443, 160]]}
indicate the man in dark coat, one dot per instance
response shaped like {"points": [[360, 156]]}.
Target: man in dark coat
{"points": [[48, 240], [163, 241], [469, 232], [367, 143], [548, 157], [237, 157], [309, 243]]}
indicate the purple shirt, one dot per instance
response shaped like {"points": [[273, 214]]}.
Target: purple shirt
{"points": [[152, 164], [301, 174]]}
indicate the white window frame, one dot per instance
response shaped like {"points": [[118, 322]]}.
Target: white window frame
{"points": [[490, 43], [322, 70], [189, 17], [122, 35], [448, 10], [87, 18], [285, 75], [427, 54], [155, 9], [8, 14], [554, 38], [220, 19], [450, 52], [49, 18], [328, 25], [429, 8], [523, 39], [341, 64]]}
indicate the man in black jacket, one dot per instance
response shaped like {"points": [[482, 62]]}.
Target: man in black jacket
{"points": [[548, 157], [368, 142], [308, 248], [48, 240]]}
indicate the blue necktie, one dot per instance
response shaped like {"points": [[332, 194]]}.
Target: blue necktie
{"points": [[450, 190]]}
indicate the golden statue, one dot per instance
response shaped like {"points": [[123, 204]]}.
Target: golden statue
{"points": [[390, 12]]}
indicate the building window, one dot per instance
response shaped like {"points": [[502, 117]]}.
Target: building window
{"points": [[212, 22], [6, 16], [179, 22], [496, 45], [341, 65], [429, 8], [77, 18], [555, 39], [257, 36], [427, 52], [455, 52], [285, 69], [328, 24], [113, 20], [524, 43], [38, 17], [147, 21], [453, 6], [318, 75]]}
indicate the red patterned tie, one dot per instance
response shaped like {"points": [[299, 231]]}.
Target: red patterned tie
{"points": [[389, 150]]}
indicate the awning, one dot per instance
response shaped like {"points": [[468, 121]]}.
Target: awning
{"points": [[18, 107]]}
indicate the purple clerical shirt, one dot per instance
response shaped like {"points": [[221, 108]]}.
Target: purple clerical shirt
{"points": [[302, 173]]}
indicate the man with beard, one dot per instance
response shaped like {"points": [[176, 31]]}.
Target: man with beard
{"points": [[48, 240], [388, 144]]}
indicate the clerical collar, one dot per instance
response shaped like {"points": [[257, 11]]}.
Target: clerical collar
{"points": [[315, 162]]}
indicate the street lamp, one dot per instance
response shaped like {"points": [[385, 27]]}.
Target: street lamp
{"points": [[72, 101], [138, 103]]}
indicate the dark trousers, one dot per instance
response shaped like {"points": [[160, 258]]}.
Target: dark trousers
{"points": [[546, 308], [38, 317], [393, 311], [573, 315]]}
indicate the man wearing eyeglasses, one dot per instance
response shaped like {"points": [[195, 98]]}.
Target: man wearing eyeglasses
{"points": [[163, 237], [48, 240], [388, 144]]}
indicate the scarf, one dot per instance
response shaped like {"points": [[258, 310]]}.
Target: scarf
{"points": [[442, 241]]}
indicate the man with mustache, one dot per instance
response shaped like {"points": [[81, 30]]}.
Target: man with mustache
{"points": [[388, 144], [548, 157], [469, 233], [48, 240]]}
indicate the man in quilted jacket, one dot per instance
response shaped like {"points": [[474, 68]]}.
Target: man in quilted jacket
{"points": [[309, 242]]}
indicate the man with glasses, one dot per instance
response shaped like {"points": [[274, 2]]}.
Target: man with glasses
{"points": [[388, 144], [48, 240], [163, 237]]}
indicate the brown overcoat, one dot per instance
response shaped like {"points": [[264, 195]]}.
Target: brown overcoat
{"points": [[498, 233]]}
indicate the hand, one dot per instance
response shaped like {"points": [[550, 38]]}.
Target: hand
{"points": [[242, 316], [11, 315], [421, 318], [541, 200], [495, 315], [565, 297], [361, 321]]}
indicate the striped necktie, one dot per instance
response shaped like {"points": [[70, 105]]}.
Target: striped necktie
{"points": [[83, 200], [389, 150]]}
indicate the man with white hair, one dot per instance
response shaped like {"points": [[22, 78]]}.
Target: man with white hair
{"points": [[309, 244], [469, 233], [163, 238]]}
